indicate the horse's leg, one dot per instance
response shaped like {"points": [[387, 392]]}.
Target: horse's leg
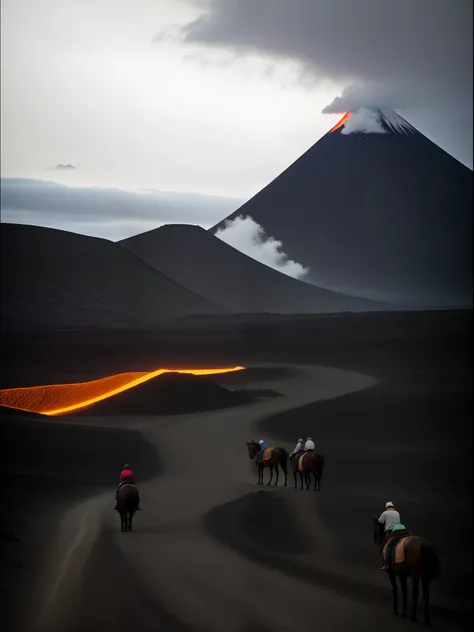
{"points": [[294, 476], [277, 469], [416, 590], [393, 581], [301, 479], [425, 583], [403, 582], [271, 475], [306, 480], [283, 465], [316, 482]]}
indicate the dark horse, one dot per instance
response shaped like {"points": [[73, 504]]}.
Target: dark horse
{"points": [[127, 501], [421, 562], [307, 464], [273, 456]]}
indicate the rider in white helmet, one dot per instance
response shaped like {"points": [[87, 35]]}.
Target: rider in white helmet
{"points": [[298, 448], [309, 445], [297, 452], [391, 520]]}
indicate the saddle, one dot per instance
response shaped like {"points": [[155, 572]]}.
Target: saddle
{"points": [[398, 551], [267, 454], [300, 462], [302, 457]]}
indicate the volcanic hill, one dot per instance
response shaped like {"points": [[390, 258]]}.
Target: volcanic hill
{"points": [[203, 263], [171, 394], [52, 279]]}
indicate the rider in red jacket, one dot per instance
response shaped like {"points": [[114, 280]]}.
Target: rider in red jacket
{"points": [[127, 477]]}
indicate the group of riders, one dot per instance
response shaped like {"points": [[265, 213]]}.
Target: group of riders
{"points": [[390, 518], [301, 448]]}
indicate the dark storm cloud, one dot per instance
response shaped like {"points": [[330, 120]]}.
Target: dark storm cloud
{"points": [[111, 213], [400, 53]]}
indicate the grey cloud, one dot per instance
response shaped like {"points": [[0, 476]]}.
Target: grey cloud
{"points": [[396, 93], [110, 213], [68, 167], [405, 53]]}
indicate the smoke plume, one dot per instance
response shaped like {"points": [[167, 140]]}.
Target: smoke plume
{"points": [[365, 122], [244, 234]]}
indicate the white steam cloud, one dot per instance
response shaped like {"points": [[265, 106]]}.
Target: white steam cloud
{"points": [[364, 122], [244, 234]]}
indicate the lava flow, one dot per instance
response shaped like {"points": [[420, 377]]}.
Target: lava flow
{"points": [[62, 399], [342, 122]]}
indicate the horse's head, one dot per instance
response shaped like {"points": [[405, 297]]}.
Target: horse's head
{"points": [[378, 531], [253, 449]]}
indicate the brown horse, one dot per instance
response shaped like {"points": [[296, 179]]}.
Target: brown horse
{"points": [[307, 464], [273, 456], [421, 562], [127, 502]]}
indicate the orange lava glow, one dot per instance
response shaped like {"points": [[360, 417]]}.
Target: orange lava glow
{"points": [[341, 122], [63, 399]]}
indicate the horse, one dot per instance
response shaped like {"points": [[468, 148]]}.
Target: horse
{"points": [[127, 502], [421, 562], [307, 464], [273, 456]]}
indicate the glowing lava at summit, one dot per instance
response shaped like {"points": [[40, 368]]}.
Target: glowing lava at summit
{"points": [[62, 399], [344, 119]]}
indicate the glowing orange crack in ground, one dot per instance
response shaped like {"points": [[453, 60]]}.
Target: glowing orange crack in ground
{"points": [[14, 398]]}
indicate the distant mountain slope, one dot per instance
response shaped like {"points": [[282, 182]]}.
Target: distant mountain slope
{"points": [[195, 258], [55, 279], [384, 215]]}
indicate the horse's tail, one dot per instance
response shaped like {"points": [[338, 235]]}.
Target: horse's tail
{"points": [[283, 457], [429, 562], [320, 464]]}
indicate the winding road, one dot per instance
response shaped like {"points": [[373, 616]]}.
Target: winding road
{"points": [[175, 570]]}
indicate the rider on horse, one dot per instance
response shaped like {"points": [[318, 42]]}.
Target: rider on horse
{"points": [[309, 445], [297, 452], [393, 527], [127, 477], [263, 447]]}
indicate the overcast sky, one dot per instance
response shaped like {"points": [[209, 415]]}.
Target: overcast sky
{"points": [[210, 97]]}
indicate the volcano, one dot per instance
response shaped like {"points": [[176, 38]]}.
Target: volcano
{"points": [[383, 214]]}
